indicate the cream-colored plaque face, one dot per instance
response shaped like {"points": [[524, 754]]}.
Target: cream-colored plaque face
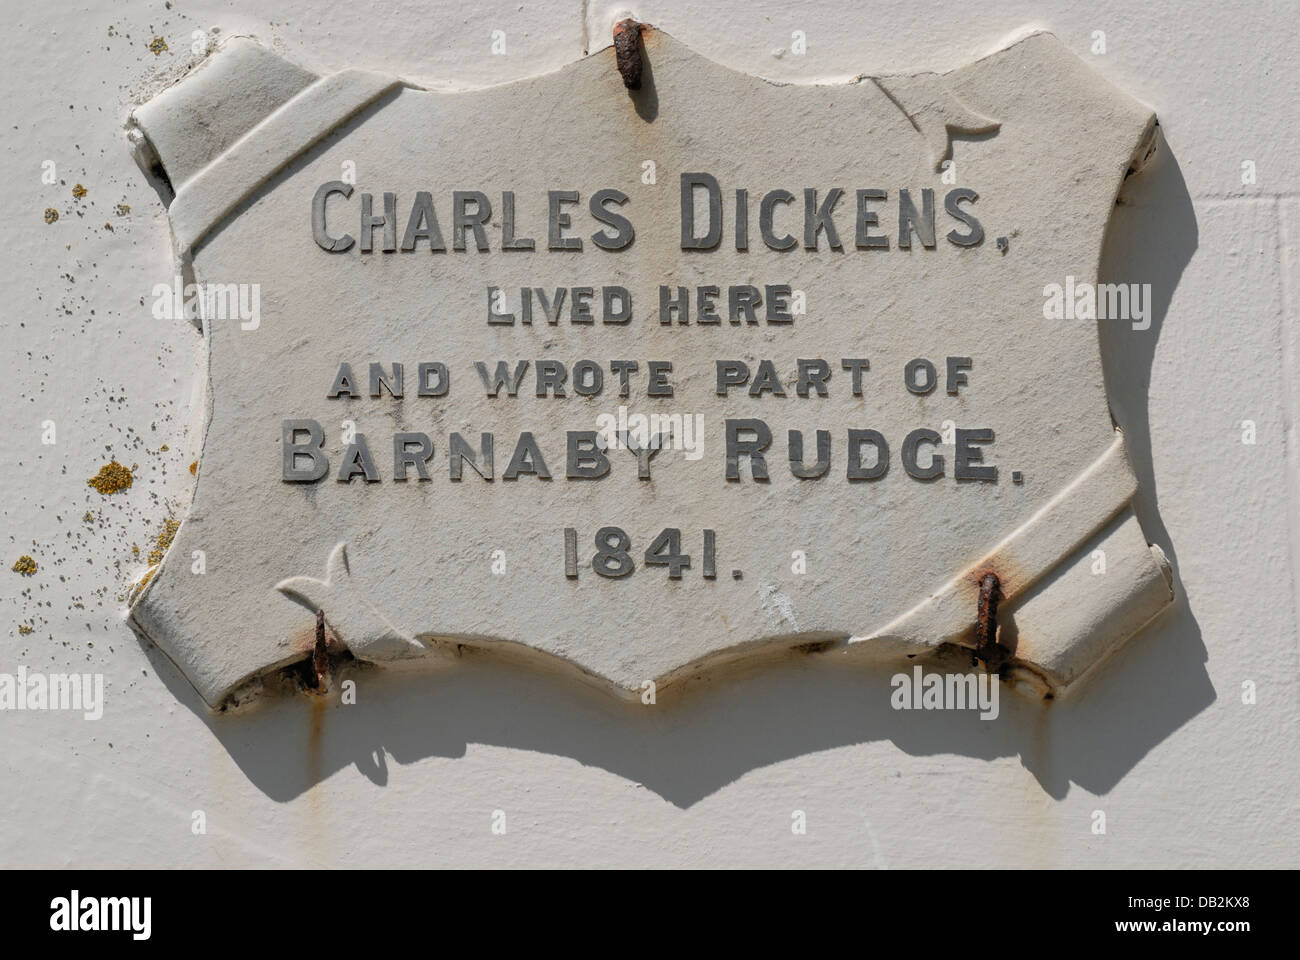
{"points": [[642, 381]]}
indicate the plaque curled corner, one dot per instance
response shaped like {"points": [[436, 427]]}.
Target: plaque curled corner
{"points": [[356, 624], [1060, 616]]}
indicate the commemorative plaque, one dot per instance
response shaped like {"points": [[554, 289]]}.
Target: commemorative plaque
{"points": [[647, 365]]}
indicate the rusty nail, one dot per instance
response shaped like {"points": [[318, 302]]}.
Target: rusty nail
{"points": [[987, 647], [627, 52], [319, 661]]}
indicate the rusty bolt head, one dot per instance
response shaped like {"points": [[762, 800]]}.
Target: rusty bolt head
{"points": [[627, 52], [987, 647], [319, 658]]}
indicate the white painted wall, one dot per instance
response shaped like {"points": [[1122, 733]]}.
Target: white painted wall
{"points": [[1161, 741]]}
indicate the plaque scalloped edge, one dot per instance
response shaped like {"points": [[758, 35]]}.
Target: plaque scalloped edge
{"points": [[1089, 618]]}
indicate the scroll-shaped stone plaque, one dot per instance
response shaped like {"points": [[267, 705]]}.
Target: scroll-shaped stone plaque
{"points": [[642, 381]]}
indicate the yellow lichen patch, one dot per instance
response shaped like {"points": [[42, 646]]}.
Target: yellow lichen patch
{"points": [[164, 448], [194, 468], [112, 478], [123, 209], [157, 45], [165, 538], [51, 214], [24, 629], [78, 191], [87, 517], [144, 582], [25, 565]]}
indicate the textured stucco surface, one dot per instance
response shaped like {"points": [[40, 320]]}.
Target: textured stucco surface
{"points": [[1186, 773]]}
